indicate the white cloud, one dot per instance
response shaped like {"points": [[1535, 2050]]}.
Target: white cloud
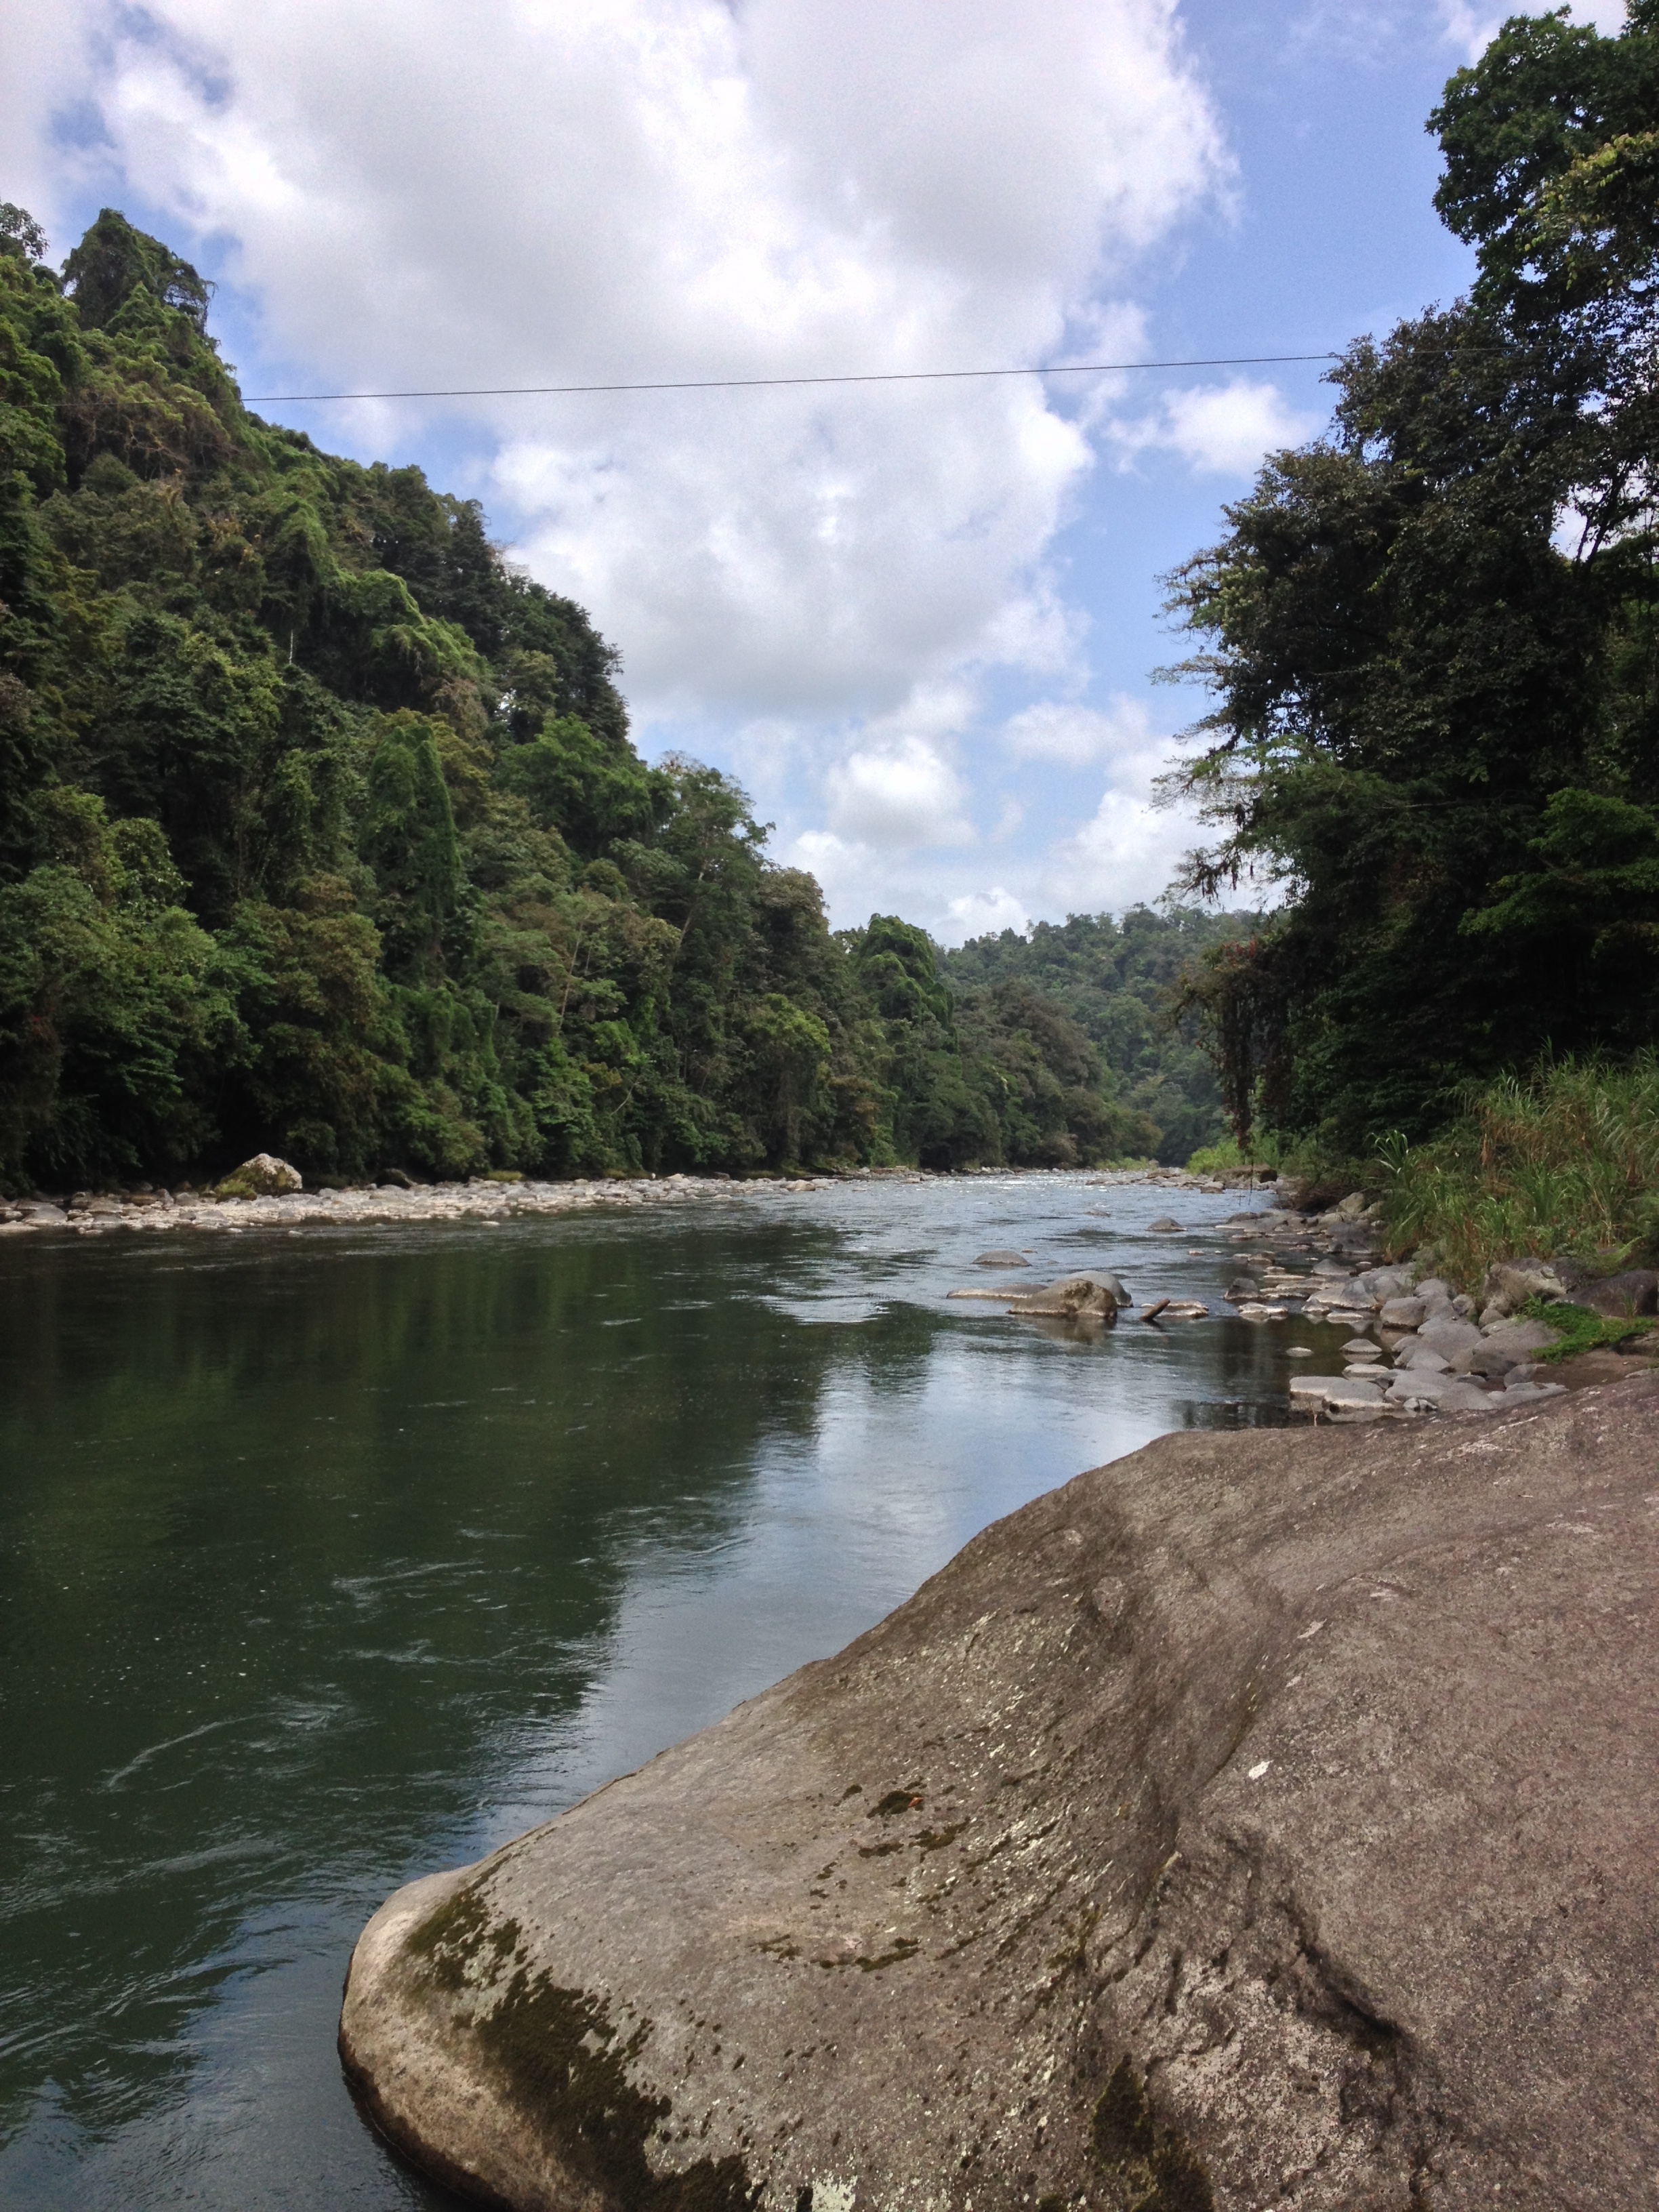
{"points": [[554, 191], [45, 53], [1075, 735], [902, 794], [1219, 429], [1472, 28], [821, 586], [1126, 852], [980, 914], [1129, 848]]}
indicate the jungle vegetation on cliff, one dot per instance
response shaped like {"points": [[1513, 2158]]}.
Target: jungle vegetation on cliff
{"points": [[321, 831]]}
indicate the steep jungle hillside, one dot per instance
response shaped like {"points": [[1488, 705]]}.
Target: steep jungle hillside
{"points": [[1433, 638], [1116, 980], [321, 830]]}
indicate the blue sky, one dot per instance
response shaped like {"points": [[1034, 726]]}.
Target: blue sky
{"points": [[919, 622]]}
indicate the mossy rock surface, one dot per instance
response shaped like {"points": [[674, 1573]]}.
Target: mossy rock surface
{"points": [[1263, 1819], [263, 1176]]}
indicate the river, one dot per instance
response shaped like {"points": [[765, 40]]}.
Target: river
{"points": [[331, 1558]]}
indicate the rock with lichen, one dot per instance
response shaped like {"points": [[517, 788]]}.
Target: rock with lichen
{"points": [[263, 1176], [1260, 1820]]}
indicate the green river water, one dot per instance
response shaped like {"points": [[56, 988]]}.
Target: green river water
{"points": [[329, 1559]]}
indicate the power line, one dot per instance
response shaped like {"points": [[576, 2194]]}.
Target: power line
{"points": [[771, 383]]}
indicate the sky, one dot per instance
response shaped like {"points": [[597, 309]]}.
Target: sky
{"points": [[919, 621]]}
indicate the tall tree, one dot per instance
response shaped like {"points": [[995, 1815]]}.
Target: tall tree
{"points": [[1430, 637]]}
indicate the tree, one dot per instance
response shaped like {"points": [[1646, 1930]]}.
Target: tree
{"points": [[1430, 634]]}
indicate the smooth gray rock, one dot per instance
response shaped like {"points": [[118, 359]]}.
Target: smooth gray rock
{"points": [[1521, 1337], [1486, 1358], [1384, 1283], [1265, 1820], [1164, 1225], [1451, 1394], [1449, 1332], [1336, 1389], [1403, 1313], [1002, 1259], [1420, 1357]]}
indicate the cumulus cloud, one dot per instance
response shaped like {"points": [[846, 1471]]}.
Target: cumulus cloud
{"points": [[1126, 853], [820, 587], [1076, 736], [1221, 430], [982, 914], [902, 794], [1472, 27], [572, 191]]}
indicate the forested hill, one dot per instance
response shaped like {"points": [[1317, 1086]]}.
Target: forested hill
{"points": [[1117, 980], [321, 831]]}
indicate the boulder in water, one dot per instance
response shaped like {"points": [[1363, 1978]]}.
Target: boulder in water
{"points": [[1002, 1259]]}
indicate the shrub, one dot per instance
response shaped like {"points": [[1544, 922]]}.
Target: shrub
{"points": [[1564, 1162]]}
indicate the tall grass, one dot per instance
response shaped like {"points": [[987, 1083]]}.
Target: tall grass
{"points": [[1562, 1161]]}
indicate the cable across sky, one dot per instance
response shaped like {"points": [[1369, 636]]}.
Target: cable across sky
{"points": [[773, 383]]}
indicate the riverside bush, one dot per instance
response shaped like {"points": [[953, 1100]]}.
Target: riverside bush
{"points": [[1562, 1161]]}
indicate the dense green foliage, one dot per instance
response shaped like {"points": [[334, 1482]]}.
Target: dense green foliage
{"points": [[1115, 980], [1434, 641], [1562, 1163], [321, 830]]}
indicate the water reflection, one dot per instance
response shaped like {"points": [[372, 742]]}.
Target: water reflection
{"points": [[329, 1560]]}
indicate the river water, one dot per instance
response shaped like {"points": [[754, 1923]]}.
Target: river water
{"points": [[332, 1558]]}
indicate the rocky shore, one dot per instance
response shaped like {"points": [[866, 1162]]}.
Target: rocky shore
{"points": [[1263, 1820], [480, 1199], [267, 1193], [1416, 1345]]}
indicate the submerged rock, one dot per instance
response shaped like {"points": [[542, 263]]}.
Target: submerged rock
{"points": [[1073, 1295], [1142, 1858], [1002, 1259]]}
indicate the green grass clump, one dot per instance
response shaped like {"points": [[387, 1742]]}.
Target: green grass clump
{"points": [[1564, 1161], [1582, 1330]]}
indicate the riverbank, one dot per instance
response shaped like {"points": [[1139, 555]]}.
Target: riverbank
{"points": [[482, 1199]]}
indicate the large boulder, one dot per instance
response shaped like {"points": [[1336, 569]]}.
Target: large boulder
{"points": [[263, 1176], [1622, 1297], [1448, 1334], [1511, 1283], [1265, 1819]]}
